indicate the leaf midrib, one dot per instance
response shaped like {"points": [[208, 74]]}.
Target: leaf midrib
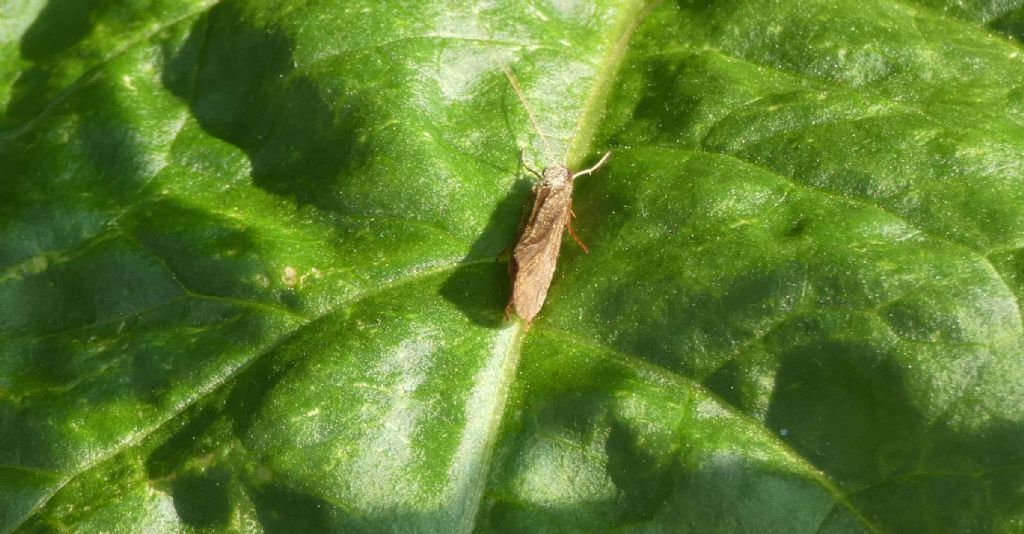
{"points": [[583, 134], [590, 114]]}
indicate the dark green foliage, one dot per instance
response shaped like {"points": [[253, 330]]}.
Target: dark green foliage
{"points": [[252, 273]]}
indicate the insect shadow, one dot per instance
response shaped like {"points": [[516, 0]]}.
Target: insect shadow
{"points": [[480, 289]]}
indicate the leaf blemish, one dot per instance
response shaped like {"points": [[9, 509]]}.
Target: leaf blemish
{"points": [[290, 277]]}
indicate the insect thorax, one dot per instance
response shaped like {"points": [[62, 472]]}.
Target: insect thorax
{"points": [[557, 175]]}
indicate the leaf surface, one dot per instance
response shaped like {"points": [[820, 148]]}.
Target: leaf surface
{"points": [[252, 273]]}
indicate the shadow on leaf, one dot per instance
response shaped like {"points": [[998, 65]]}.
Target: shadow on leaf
{"points": [[240, 83], [58, 27], [465, 286]]}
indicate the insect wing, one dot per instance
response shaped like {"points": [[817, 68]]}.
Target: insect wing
{"points": [[536, 253]]}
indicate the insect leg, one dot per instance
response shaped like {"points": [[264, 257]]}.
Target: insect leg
{"points": [[595, 167], [522, 162], [576, 238]]}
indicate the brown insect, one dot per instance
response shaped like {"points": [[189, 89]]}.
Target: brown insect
{"points": [[535, 255]]}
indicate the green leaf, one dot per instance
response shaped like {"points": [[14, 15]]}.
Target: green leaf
{"points": [[252, 273]]}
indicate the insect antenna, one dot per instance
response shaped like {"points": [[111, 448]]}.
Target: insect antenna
{"points": [[529, 112]]}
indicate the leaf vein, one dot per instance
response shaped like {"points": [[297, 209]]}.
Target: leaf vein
{"points": [[969, 251], [93, 72], [642, 364], [212, 387]]}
